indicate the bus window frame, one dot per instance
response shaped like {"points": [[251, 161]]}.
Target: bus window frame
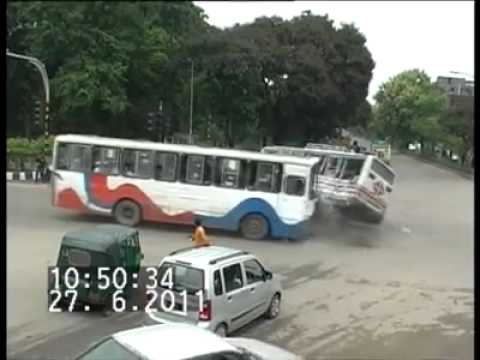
{"points": [[122, 153], [392, 183], [298, 177], [203, 182], [218, 175], [88, 169], [119, 159], [178, 160], [278, 183]]}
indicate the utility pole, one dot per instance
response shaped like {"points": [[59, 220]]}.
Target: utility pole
{"points": [[43, 72], [190, 137]]}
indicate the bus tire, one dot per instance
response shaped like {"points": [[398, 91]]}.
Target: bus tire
{"points": [[127, 212], [254, 227], [376, 218]]}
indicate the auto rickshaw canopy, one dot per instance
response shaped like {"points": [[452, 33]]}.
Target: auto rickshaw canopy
{"points": [[102, 238]]}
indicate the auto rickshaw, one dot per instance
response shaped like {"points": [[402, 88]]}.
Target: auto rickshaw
{"points": [[103, 246]]}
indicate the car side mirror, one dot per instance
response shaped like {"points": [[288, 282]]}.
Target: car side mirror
{"points": [[389, 189], [268, 275]]}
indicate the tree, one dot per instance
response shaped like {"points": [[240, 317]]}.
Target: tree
{"points": [[295, 81], [105, 59], [408, 107]]}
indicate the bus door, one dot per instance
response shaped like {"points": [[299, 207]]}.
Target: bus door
{"points": [[294, 202]]}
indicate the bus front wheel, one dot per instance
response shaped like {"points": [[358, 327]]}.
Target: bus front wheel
{"points": [[254, 227], [127, 213]]}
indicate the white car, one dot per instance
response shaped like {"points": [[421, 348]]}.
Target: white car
{"points": [[180, 342], [236, 289]]}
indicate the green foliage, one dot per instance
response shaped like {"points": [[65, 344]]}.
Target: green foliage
{"points": [[110, 63], [22, 147], [408, 108]]}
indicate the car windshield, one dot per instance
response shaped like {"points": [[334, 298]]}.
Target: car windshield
{"points": [[108, 350], [183, 277]]}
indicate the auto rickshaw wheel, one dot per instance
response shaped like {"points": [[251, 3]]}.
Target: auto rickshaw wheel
{"points": [[128, 213]]}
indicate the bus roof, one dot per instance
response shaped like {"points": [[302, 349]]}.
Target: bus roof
{"points": [[191, 149], [318, 151]]}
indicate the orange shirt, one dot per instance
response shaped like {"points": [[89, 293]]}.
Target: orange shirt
{"points": [[199, 237]]}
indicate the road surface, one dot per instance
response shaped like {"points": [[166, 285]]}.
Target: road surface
{"points": [[400, 290]]}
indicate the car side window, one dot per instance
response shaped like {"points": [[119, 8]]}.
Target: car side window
{"points": [[233, 277], [254, 271], [217, 283]]}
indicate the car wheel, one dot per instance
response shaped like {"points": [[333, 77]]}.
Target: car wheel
{"points": [[274, 308], [127, 213], [254, 227], [221, 330]]}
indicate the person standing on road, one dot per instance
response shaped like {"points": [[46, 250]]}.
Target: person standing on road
{"points": [[39, 169], [199, 236]]}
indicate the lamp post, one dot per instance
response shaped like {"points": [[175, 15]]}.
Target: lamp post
{"points": [[43, 72]]}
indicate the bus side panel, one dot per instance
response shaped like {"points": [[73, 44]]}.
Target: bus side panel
{"points": [[231, 220], [68, 190], [101, 195]]}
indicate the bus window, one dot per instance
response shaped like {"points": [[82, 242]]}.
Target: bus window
{"points": [[73, 157], [295, 185], [137, 163], [382, 171], [199, 169], [105, 160], [195, 169], [332, 167], [352, 169], [230, 173], [267, 177], [166, 166]]}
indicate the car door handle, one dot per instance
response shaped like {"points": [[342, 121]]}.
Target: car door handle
{"points": [[229, 298], [252, 289]]}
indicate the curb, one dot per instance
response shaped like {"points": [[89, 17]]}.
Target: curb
{"points": [[469, 174], [27, 176]]}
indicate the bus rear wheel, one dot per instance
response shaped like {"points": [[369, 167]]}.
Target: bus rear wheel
{"points": [[254, 227], [127, 213]]}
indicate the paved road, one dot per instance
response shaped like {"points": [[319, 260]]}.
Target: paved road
{"points": [[401, 290]]}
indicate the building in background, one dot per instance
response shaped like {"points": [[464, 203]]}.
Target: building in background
{"points": [[456, 86]]}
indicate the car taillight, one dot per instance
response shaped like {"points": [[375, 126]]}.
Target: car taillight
{"points": [[205, 313]]}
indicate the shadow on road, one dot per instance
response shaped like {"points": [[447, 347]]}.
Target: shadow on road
{"points": [[327, 226]]}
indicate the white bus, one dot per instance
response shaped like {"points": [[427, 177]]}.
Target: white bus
{"points": [[358, 185], [260, 195]]}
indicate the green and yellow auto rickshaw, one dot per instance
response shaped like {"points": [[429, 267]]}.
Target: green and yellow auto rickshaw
{"points": [[95, 254]]}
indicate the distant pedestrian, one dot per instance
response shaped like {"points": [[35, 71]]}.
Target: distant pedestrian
{"points": [[355, 147], [199, 236], [39, 169]]}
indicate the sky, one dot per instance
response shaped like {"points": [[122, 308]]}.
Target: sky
{"points": [[435, 36]]}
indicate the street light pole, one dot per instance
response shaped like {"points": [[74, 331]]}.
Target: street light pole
{"points": [[43, 72], [191, 105]]}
